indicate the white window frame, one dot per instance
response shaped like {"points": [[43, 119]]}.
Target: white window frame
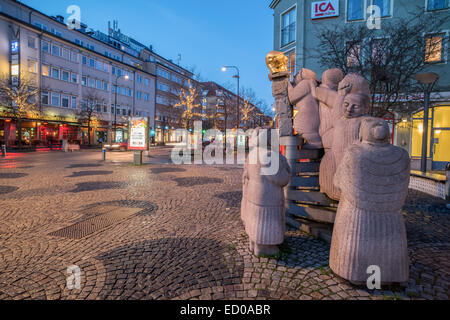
{"points": [[391, 10], [427, 10], [65, 97], [281, 26], [364, 18], [72, 100], [59, 50], [51, 73], [445, 46], [35, 66], [54, 94], [45, 94], [68, 75], [72, 77]]}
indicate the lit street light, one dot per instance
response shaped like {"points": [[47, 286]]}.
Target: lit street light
{"points": [[224, 69]]}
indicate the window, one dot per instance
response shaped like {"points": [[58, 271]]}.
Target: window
{"points": [[291, 62], [92, 63], [99, 85], [437, 4], [124, 91], [91, 82], [44, 97], [434, 51], [146, 82], [118, 89], [119, 72], [45, 46], [55, 99], [65, 53], [84, 81], [355, 10], [55, 50], [65, 101], [105, 67], [139, 79], [74, 103], [74, 57], [113, 70], [99, 65], [353, 54], [65, 75], [74, 78], [288, 21], [379, 50], [146, 97], [139, 95], [385, 7], [105, 86], [55, 73], [32, 42], [45, 70], [84, 60], [32, 66]]}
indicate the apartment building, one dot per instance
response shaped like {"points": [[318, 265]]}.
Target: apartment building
{"points": [[76, 74], [170, 78], [296, 25]]}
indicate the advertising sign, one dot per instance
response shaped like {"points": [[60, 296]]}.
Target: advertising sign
{"points": [[324, 9], [138, 139]]}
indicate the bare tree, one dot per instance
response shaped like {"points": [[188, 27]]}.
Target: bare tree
{"points": [[20, 100], [188, 100], [388, 58], [89, 108], [247, 112]]}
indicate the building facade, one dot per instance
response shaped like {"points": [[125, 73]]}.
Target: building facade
{"points": [[296, 28], [82, 81]]}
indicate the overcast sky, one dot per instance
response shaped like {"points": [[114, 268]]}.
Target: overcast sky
{"points": [[207, 33]]}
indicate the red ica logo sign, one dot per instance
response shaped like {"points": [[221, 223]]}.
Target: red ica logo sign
{"points": [[325, 9]]}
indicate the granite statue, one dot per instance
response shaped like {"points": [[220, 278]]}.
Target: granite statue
{"points": [[263, 202], [369, 229], [306, 120], [350, 105]]}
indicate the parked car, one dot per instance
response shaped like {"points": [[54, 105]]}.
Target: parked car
{"points": [[117, 146]]}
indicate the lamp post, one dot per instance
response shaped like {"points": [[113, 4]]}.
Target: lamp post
{"points": [[237, 76], [428, 80], [126, 77]]}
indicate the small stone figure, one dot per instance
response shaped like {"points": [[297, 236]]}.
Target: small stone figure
{"points": [[330, 81], [306, 121], [263, 207], [369, 230], [350, 105], [328, 98]]}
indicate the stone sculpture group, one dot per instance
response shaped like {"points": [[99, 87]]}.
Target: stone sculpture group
{"points": [[360, 169]]}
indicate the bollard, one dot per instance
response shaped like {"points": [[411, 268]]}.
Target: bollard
{"points": [[103, 154], [138, 158], [3, 150]]}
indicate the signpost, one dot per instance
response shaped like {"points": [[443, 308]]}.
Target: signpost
{"points": [[138, 138]]}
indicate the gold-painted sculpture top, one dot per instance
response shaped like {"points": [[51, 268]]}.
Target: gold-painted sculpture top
{"points": [[277, 62]]}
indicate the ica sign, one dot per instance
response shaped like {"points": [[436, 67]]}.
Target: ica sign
{"points": [[324, 9]]}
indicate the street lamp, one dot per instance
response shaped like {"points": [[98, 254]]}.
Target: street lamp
{"points": [[126, 77], [224, 69], [428, 80]]}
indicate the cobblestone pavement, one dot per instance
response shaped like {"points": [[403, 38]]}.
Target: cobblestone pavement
{"points": [[162, 231]]}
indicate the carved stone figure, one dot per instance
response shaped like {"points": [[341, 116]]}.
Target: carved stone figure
{"points": [[369, 230], [307, 120], [350, 104], [263, 207], [330, 80]]}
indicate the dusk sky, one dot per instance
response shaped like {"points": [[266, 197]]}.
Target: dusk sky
{"points": [[207, 33]]}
